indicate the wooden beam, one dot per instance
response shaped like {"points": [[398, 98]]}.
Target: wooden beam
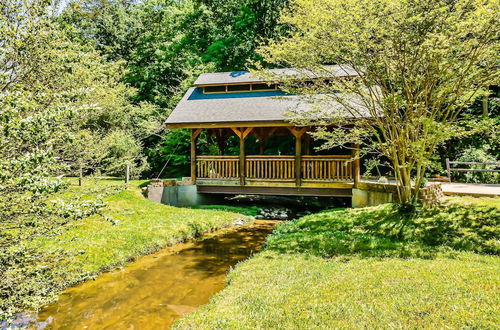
{"points": [[194, 136], [274, 123], [285, 191], [298, 159], [242, 160], [236, 131], [196, 132], [356, 167], [298, 131], [247, 131]]}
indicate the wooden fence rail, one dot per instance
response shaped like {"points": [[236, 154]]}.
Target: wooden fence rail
{"points": [[276, 168], [217, 167], [270, 167], [450, 169], [327, 168]]}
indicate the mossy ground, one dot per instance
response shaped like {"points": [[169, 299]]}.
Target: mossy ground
{"points": [[369, 268]]}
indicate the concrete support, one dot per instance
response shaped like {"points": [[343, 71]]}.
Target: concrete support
{"points": [[363, 198]]}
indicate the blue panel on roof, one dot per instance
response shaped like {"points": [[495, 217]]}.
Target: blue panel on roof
{"points": [[197, 94]]}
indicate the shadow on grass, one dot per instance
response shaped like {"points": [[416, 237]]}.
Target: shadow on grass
{"points": [[386, 231]]}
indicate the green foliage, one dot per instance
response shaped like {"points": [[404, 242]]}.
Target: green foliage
{"points": [[240, 27], [478, 155], [120, 149], [34, 272], [166, 44], [60, 102], [419, 64]]}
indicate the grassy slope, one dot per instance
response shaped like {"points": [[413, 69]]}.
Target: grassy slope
{"points": [[135, 226], [354, 269]]}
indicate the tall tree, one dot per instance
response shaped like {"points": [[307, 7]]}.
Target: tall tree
{"points": [[166, 44], [420, 63]]}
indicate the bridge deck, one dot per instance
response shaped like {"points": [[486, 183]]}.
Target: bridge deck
{"points": [[340, 191]]}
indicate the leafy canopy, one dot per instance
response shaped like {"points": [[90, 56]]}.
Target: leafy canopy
{"points": [[420, 63]]}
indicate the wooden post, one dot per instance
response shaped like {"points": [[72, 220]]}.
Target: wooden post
{"points": [[298, 159], [242, 161], [127, 173], [194, 136], [307, 139], [242, 134], [356, 166], [448, 169], [80, 177], [298, 152], [485, 105]]}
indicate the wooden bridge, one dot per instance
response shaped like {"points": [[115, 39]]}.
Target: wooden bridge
{"points": [[315, 175], [236, 103]]}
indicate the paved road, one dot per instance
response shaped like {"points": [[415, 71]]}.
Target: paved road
{"points": [[471, 189]]}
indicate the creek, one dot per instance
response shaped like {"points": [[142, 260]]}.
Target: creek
{"points": [[155, 290]]}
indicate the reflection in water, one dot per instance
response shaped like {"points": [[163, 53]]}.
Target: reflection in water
{"points": [[156, 290]]}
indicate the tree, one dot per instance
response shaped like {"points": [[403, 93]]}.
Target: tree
{"points": [[60, 101], [239, 28], [166, 44], [419, 64]]}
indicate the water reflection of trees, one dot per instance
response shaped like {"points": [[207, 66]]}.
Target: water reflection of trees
{"points": [[218, 254]]}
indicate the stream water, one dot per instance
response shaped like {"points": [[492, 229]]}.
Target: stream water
{"points": [[155, 290]]}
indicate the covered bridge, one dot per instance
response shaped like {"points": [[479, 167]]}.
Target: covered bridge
{"points": [[240, 104]]}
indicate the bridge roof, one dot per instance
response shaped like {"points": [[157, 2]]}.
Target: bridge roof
{"points": [[246, 77], [266, 108]]}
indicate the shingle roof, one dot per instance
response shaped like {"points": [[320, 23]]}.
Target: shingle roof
{"points": [[198, 108], [241, 77]]}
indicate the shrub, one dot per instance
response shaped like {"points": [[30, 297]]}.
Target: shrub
{"points": [[482, 155]]}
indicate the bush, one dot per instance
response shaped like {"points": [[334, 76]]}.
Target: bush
{"points": [[482, 155]]}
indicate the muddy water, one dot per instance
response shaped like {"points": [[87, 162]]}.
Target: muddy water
{"points": [[156, 290]]}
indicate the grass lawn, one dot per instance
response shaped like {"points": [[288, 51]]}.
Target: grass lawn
{"points": [[369, 268], [130, 226]]}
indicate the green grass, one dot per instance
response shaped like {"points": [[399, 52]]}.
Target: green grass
{"points": [[246, 210], [360, 268], [131, 226]]}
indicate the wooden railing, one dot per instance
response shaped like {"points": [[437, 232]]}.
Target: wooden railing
{"points": [[280, 168], [450, 169], [327, 168], [276, 168], [218, 167]]}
